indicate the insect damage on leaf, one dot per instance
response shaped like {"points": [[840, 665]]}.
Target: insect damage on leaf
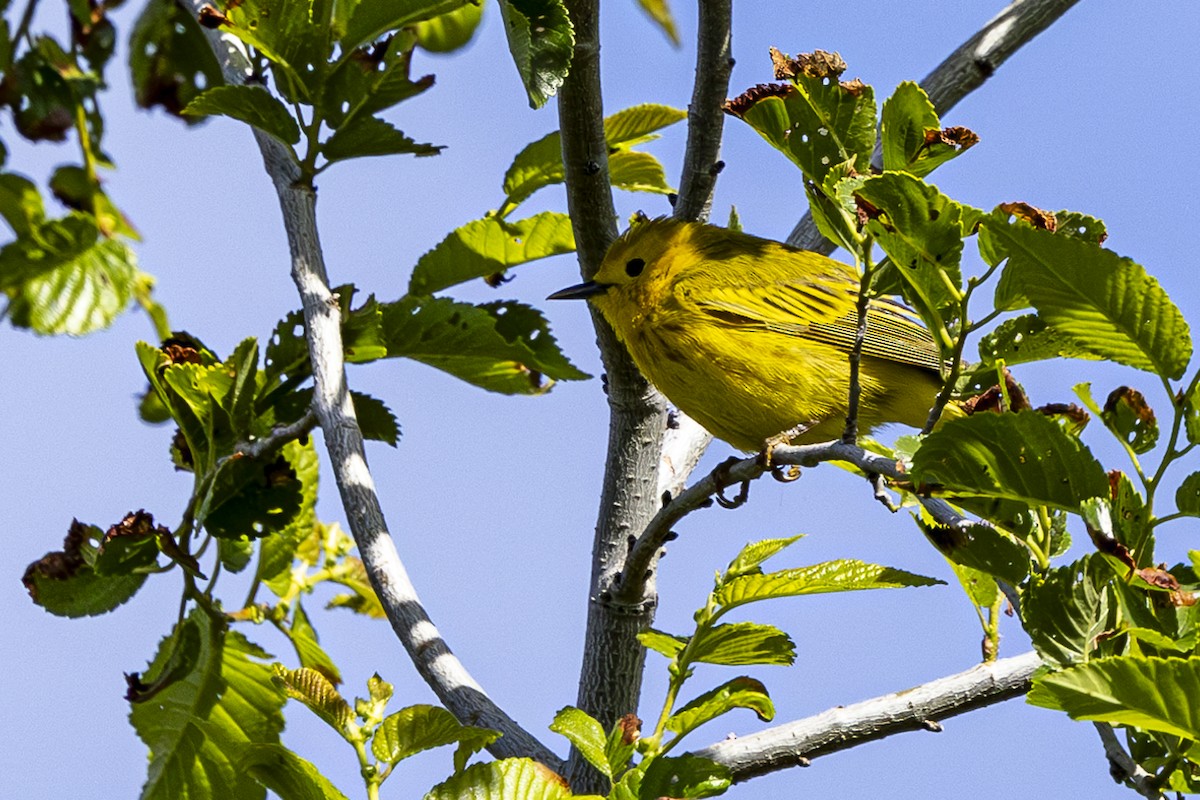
{"points": [[956, 136], [817, 64], [739, 106], [991, 400], [1031, 214], [59, 565]]}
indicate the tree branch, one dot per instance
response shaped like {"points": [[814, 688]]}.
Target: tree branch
{"points": [[437, 665], [610, 678], [706, 115], [1122, 767], [963, 71], [278, 437], [797, 743], [645, 549]]}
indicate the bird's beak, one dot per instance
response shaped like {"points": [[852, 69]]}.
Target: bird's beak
{"points": [[581, 291]]}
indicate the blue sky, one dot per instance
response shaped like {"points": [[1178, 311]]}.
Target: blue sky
{"points": [[492, 499]]}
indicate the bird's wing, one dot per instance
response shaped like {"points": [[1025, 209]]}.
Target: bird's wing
{"points": [[824, 311]]}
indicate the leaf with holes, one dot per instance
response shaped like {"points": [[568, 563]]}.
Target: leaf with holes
{"points": [[1027, 338], [542, 42], [170, 59], [252, 105]]}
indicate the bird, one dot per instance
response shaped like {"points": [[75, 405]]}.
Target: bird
{"points": [[751, 337]]}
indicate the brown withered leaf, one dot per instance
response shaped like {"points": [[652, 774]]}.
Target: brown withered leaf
{"points": [[854, 87], [1031, 214], [817, 64], [631, 728], [955, 136], [60, 564], [135, 525], [211, 18], [1132, 398], [992, 399], [1159, 578], [738, 106]]}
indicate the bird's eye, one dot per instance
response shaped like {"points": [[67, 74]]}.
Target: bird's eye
{"points": [[634, 267]]}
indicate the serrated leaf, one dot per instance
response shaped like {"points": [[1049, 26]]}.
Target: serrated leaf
{"points": [[539, 164], [375, 419], [1106, 304], [291, 36], [738, 644], [659, 13], [586, 735], [490, 246], [503, 347], [65, 583], [542, 42], [170, 59], [740, 692], [285, 773], [1028, 338], [279, 550], [372, 136], [314, 690], [816, 124], [752, 556], [844, 575], [308, 647], [685, 776], [252, 105], [507, 779], [422, 727], [1066, 610], [197, 724], [910, 129], [1023, 456], [921, 231], [980, 547], [1155, 694], [1187, 496]]}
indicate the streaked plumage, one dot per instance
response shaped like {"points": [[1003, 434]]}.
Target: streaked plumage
{"points": [[751, 337]]}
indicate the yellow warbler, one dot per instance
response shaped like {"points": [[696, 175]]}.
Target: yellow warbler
{"points": [[751, 337]]}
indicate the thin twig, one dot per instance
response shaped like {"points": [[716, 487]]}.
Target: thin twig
{"points": [[437, 665], [278, 437], [797, 743], [683, 447], [706, 116], [963, 71], [1122, 767]]}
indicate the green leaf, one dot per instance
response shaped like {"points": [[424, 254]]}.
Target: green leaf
{"points": [[539, 164], [278, 552], [314, 690], [251, 497], [205, 711], [422, 727], [685, 776], [738, 644], [503, 347], [622, 743], [362, 599], [252, 105], [297, 43], [635, 171], [371, 19], [1154, 694], [542, 42], [981, 588], [1191, 414], [1108, 305], [740, 692], [815, 121], [1187, 496], [980, 547], [65, 584], [20, 203], [1066, 610], [490, 246], [73, 291], [1023, 456], [170, 59], [367, 84], [843, 575], [750, 560], [285, 773], [1127, 414], [448, 32], [375, 419], [1028, 338], [833, 219], [1129, 516], [662, 643], [586, 735], [659, 13], [128, 547], [308, 647], [371, 136], [912, 136], [920, 229], [504, 780]]}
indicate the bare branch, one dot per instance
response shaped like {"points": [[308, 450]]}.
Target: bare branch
{"points": [[279, 436], [797, 743], [437, 665], [683, 447], [706, 117], [610, 678], [1122, 767], [963, 71]]}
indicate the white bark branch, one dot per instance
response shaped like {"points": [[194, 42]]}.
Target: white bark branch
{"points": [[963, 71], [797, 743], [437, 665], [1123, 768]]}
